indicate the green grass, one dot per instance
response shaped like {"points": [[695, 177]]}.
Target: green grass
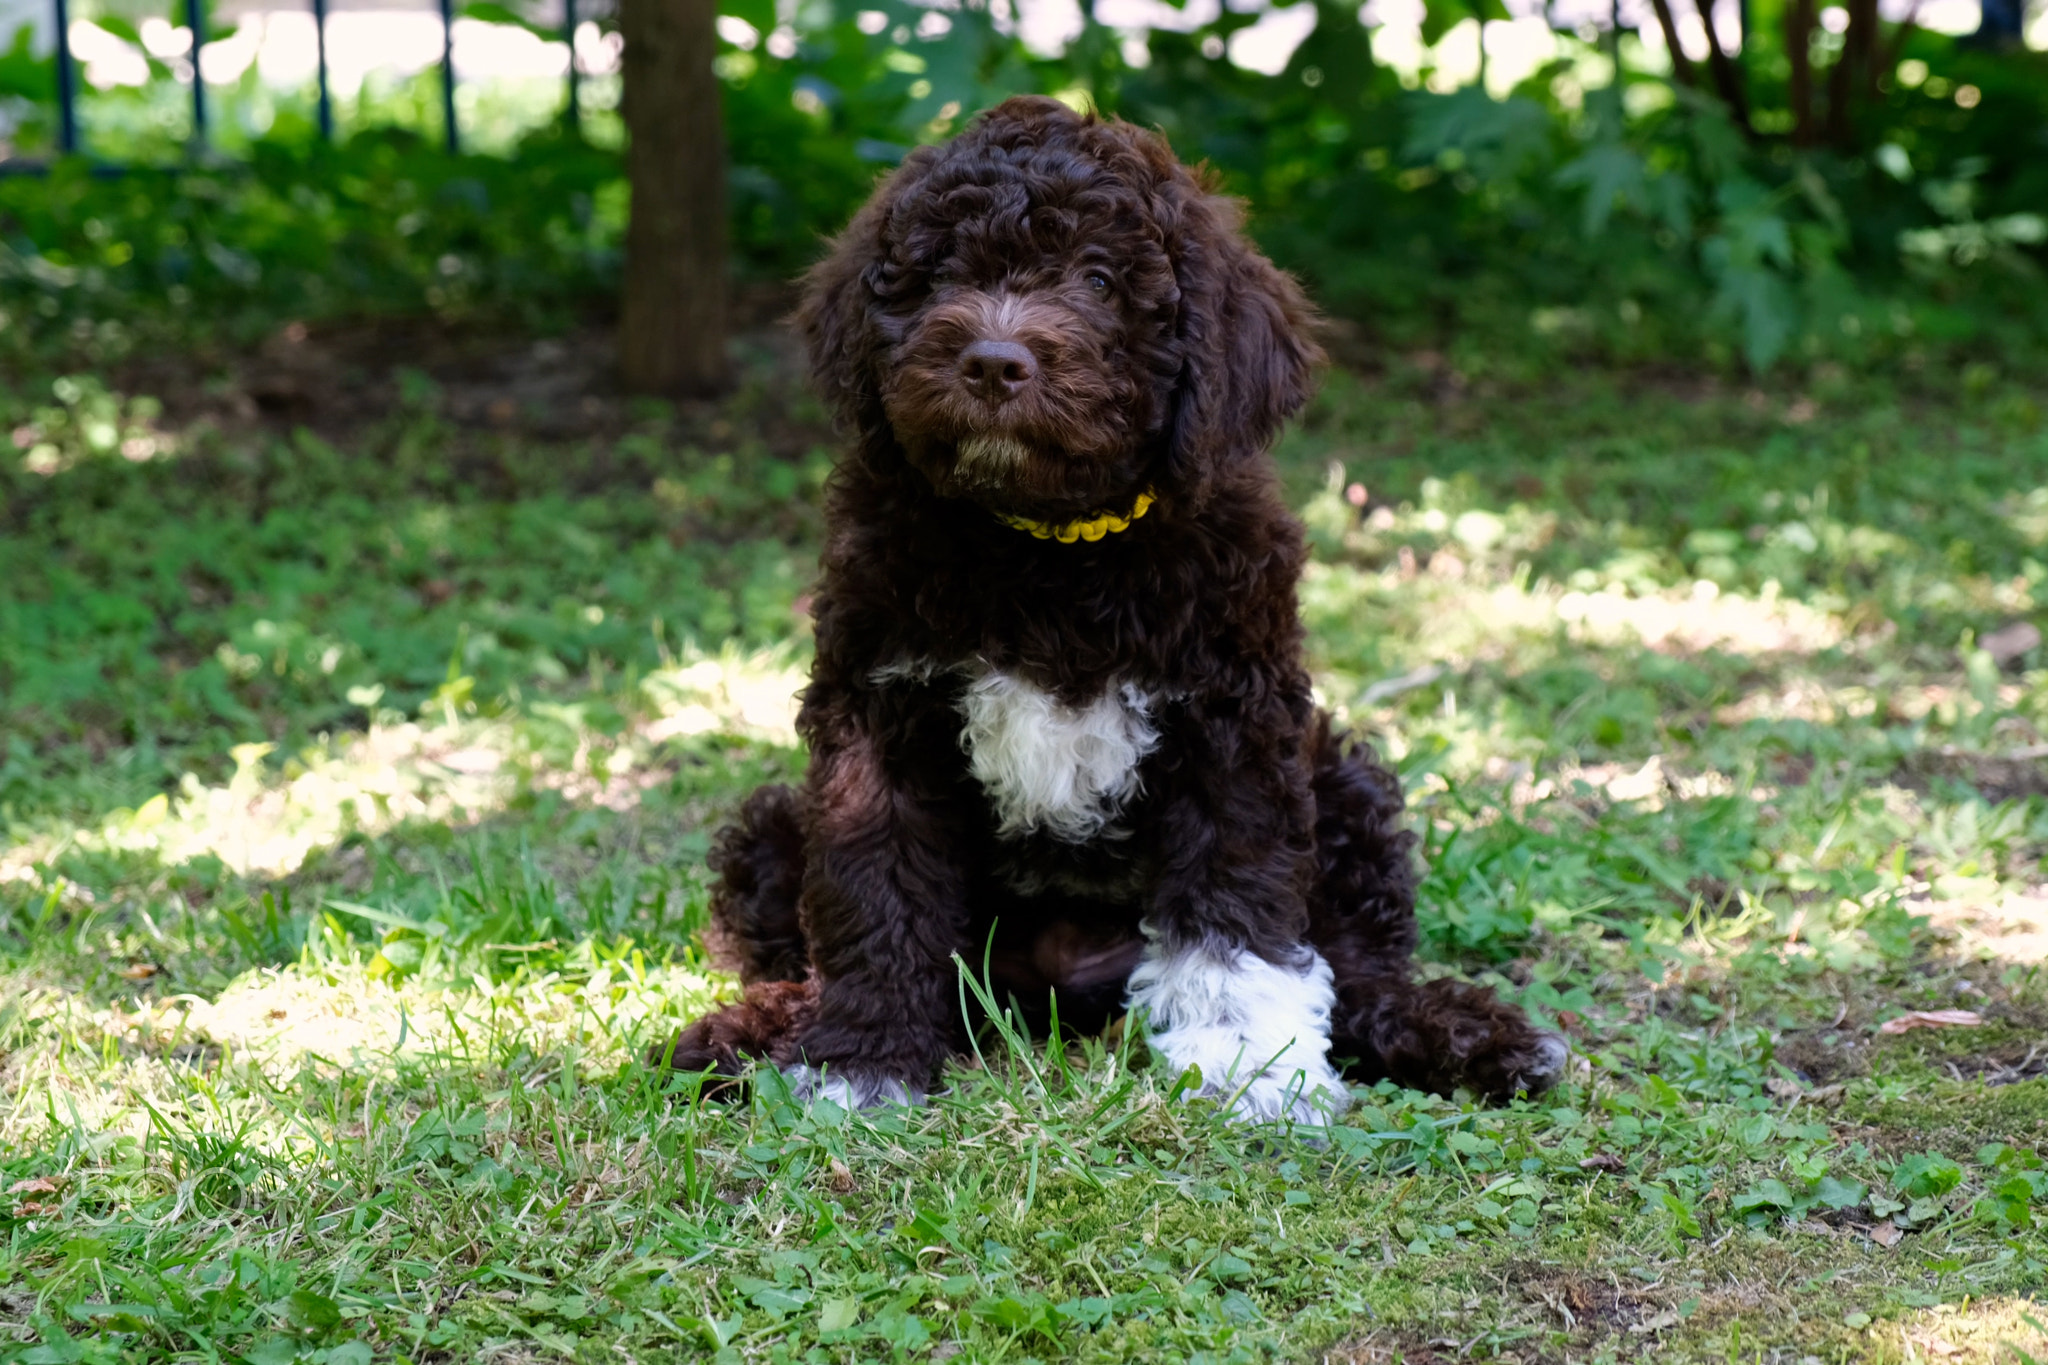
{"points": [[355, 786]]}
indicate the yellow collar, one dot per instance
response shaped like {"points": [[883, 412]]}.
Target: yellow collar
{"points": [[1094, 528]]}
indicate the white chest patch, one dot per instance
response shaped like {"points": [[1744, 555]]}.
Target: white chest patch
{"points": [[1065, 770]]}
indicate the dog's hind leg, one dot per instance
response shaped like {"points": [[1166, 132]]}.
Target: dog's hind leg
{"points": [[758, 867], [1435, 1035], [1362, 906], [1439, 1036], [762, 1026], [758, 862]]}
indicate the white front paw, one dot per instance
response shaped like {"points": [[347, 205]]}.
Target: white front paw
{"points": [[850, 1092], [1259, 1032], [1552, 1052], [1298, 1094]]}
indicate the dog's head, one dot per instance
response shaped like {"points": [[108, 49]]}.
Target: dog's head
{"points": [[1050, 313]]}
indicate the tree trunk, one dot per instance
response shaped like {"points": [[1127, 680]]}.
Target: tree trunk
{"points": [[1799, 24], [1852, 73], [672, 323]]}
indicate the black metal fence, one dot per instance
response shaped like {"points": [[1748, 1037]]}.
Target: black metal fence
{"points": [[69, 142]]}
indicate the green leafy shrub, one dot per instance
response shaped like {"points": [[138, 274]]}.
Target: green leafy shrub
{"points": [[1629, 220]]}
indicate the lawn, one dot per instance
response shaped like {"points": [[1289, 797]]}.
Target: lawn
{"points": [[362, 730]]}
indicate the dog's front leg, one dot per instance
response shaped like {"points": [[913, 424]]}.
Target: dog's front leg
{"points": [[1228, 982], [883, 900]]}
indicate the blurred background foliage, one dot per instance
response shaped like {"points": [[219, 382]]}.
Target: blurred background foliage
{"points": [[1822, 184]]}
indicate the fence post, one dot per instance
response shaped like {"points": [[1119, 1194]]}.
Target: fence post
{"points": [[326, 105], [448, 74], [575, 109], [195, 19], [67, 91]]}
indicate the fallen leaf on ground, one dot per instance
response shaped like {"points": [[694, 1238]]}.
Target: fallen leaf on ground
{"points": [[1932, 1019], [1887, 1235], [2009, 642]]}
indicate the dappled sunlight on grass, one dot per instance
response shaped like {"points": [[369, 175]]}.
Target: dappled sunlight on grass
{"points": [[100, 1069], [454, 768], [1998, 1330], [2009, 926], [754, 696], [604, 1011], [1473, 582], [1701, 617]]}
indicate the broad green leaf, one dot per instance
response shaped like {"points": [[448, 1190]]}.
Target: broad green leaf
{"points": [[1926, 1175], [1610, 172], [312, 1312]]}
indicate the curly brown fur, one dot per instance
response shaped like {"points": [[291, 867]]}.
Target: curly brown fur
{"points": [[757, 864], [1097, 763], [763, 1024], [1438, 1035]]}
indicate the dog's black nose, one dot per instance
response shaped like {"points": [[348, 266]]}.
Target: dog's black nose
{"points": [[997, 370]]}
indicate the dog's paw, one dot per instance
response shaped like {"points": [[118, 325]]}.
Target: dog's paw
{"points": [[1276, 1095], [1258, 1031], [1544, 1063], [850, 1091]]}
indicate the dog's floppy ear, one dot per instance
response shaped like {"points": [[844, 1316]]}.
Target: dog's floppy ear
{"points": [[1246, 329], [841, 293], [834, 316]]}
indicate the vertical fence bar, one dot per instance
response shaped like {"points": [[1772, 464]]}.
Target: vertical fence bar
{"points": [[326, 104], [574, 112], [195, 19], [67, 89], [448, 74]]}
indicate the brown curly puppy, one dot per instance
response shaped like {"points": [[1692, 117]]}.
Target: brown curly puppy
{"points": [[1059, 714]]}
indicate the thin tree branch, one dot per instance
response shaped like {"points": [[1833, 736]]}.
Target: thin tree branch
{"points": [[1727, 72], [1681, 65], [1901, 35]]}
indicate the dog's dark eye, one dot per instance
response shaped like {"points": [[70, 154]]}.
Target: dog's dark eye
{"points": [[1098, 281]]}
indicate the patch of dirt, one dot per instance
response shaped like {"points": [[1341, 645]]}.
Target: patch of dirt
{"points": [[1991, 776], [2008, 1046], [16, 1304], [1590, 1308], [336, 378], [1792, 770], [2023, 1059], [1715, 893], [1823, 1057], [1389, 1347]]}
